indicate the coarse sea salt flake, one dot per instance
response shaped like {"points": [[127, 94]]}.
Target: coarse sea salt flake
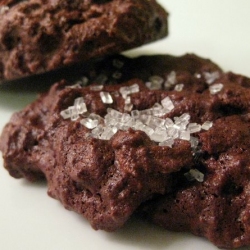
{"points": [[194, 174], [155, 82], [168, 123], [159, 137], [106, 134], [210, 77], [97, 131], [134, 88], [168, 143], [156, 79], [127, 100], [173, 132], [65, 114], [194, 141], [80, 105], [179, 87], [184, 135], [128, 107], [89, 123], [167, 103], [106, 97], [207, 125], [74, 115], [171, 79], [194, 127], [215, 88]]}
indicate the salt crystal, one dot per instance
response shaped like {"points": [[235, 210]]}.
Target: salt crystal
{"points": [[215, 88], [127, 100], [159, 136], [171, 79], [124, 92], [155, 82], [80, 105], [182, 121], [194, 127], [138, 125], [74, 115], [146, 112], [194, 142], [71, 112], [211, 77], [89, 123], [107, 133], [173, 132], [127, 90], [184, 135], [149, 131], [65, 114], [144, 118], [106, 97], [168, 143], [156, 79], [179, 87], [168, 123], [158, 112], [134, 88], [185, 117], [94, 116], [167, 103], [97, 131], [96, 87], [207, 125], [163, 132], [125, 118], [114, 113], [194, 174], [128, 107], [155, 122]]}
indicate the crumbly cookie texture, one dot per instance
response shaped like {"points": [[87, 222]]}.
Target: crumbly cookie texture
{"points": [[107, 147], [42, 35], [214, 202]]}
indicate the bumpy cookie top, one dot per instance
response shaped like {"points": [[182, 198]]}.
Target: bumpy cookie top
{"points": [[106, 148], [42, 35]]}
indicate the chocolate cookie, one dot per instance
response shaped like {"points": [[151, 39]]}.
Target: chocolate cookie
{"points": [[42, 35], [106, 148]]}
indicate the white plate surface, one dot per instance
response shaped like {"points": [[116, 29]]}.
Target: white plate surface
{"points": [[29, 219]]}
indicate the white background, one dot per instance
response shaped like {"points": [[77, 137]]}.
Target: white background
{"points": [[29, 219]]}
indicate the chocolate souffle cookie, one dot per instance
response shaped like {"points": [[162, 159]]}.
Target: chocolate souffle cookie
{"points": [[42, 35], [107, 147], [166, 134]]}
